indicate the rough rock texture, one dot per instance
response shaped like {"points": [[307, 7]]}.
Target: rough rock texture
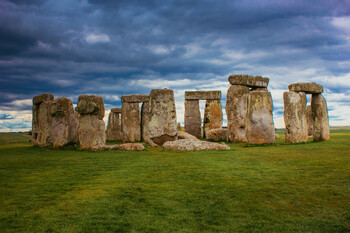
{"points": [[188, 145], [236, 111], [217, 135], [308, 88], [310, 120], [260, 128], [212, 116], [64, 126], [162, 116], [91, 105], [193, 118], [320, 117], [131, 146], [113, 131], [116, 110], [91, 131], [295, 117], [41, 128], [248, 80], [105, 147], [91, 125], [135, 98], [178, 126], [131, 122], [145, 133], [184, 135], [202, 95]]}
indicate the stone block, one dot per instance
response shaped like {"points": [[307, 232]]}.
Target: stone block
{"points": [[91, 105], [212, 116], [193, 122], [135, 98], [248, 80], [131, 122], [113, 131], [202, 95], [321, 130], [308, 88]]}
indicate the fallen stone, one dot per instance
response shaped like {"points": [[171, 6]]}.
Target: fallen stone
{"points": [[236, 111], [212, 116], [260, 128], [248, 80], [216, 135], [185, 135], [310, 120], [131, 122], [135, 98], [132, 146], [193, 145], [64, 126], [320, 117], [193, 122], [91, 105], [105, 147], [162, 116], [202, 95], [113, 131], [308, 88], [295, 117]]}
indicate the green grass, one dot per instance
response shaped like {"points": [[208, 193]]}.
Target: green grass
{"points": [[280, 188]]}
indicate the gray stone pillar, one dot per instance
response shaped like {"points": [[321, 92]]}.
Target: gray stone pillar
{"points": [[212, 116], [131, 122], [310, 120], [113, 128], [193, 118], [320, 117], [295, 117]]}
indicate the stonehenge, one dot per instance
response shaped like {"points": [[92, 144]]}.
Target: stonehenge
{"points": [[302, 121], [113, 132], [249, 110], [212, 112]]}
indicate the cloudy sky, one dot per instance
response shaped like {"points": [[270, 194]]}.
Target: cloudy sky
{"points": [[72, 47]]}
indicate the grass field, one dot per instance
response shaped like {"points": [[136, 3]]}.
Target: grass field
{"points": [[280, 188]]}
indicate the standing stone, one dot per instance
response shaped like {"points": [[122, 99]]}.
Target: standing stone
{"points": [[131, 122], [320, 116], [162, 116], [295, 117], [192, 118], [310, 120], [113, 128], [236, 111], [145, 132], [64, 127], [41, 128], [212, 116], [260, 128], [91, 125]]}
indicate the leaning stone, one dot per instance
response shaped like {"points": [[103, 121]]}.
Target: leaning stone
{"points": [[295, 117], [185, 135], [193, 118], [131, 122], [41, 128], [212, 116], [64, 127], [217, 135], [248, 80], [131, 146], [308, 88], [202, 95], [91, 105], [310, 120], [236, 111], [320, 117], [260, 128], [91, 132], [135, 98], [162, 116], [113, 131], [192, 145]]}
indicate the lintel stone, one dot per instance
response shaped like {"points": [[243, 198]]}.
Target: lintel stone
{"points": [[116, 110], [135, 98], [308, 88], [202, 95], [248, 80]]}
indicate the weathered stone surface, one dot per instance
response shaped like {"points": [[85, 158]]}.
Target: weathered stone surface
{"points": [[145, 133], [190, 145], [310, 120], [236, 111], [91, 131], [162, 116], [260, 128], [178, 126], [91, 105], [131, 122], [248, 80], [295, 117], [216, 135], [308, 88], [202, 95], [105, 147], [184, 135], [131, 146], [193, 122], [116, 110], [113, 131], [135, 98], [320, 117], [64, 126], [41, 128], [212, 116]]}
